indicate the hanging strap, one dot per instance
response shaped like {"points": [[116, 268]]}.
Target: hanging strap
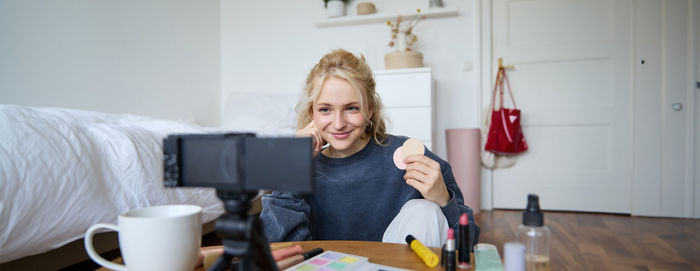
{"points": [[498, 88], [509, 90], [499, 82]]}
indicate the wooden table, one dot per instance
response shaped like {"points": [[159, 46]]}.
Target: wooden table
{"points": [[396, 255]]}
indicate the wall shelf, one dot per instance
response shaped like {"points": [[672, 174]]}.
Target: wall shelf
{"points": [[383, 17]]}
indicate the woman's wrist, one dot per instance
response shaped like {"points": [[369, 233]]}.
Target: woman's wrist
{"points": [[446, 199]]}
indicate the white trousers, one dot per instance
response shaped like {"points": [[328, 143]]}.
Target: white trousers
{"points": [[421, 218]]}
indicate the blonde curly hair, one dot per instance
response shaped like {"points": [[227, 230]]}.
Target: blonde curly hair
{"points": [[343, 64]]}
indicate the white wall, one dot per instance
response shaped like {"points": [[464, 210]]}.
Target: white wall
{"points": [[270, 46], [158, 58], [177, 59]]}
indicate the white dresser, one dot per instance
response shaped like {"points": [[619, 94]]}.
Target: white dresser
{"points": [[408, 98]]}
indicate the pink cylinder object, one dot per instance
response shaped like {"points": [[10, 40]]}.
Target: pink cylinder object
{"points": [[464, 155]]}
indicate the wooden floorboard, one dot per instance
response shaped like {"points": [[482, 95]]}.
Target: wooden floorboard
{"points": [[587, 241]]}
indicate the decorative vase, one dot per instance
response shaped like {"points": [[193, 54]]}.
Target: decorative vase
{"points": [[403, 60], [365, 8], [335, 8], [464, 154], [401, 42]]}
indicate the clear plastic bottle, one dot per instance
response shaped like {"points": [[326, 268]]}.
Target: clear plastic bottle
{"points": [[535, 236]]}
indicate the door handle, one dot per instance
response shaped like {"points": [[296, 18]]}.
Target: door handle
{"points": [[677, 106]]}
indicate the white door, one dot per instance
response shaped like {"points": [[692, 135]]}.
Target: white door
{"points": [[664, 104], [696, 25], [573, 81], [607, 91]]}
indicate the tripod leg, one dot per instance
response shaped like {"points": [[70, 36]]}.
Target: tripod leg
{"points": [[262, 247]]}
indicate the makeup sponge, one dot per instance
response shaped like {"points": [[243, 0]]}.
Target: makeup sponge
{"points": [[413, 146], [410, 147], [398, 158]]}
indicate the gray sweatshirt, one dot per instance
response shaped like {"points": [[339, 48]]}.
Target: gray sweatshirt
{"points": [[356, 198]]}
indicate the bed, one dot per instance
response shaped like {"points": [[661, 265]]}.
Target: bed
{"points": [[63, 170]]}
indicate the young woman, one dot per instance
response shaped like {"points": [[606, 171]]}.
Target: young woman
{"points": [[360, 193]]}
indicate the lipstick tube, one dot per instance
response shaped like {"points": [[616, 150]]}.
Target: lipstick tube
{"points": [[464, 242], [450, 251]]}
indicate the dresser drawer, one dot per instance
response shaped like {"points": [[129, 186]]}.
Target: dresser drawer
{"points": [[407, 96], [401, 90]]}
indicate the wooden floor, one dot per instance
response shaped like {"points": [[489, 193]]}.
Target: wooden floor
{"points": [[585, 241]]}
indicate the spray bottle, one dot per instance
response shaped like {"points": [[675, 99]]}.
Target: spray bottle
{"points": [[535, 236]]}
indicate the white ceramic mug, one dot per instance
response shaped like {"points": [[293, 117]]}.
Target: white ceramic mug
{"points": [[164, 237]]}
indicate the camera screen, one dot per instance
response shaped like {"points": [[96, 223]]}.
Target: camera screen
{"points": [[211, 161], [239, 162], [283, 164]]}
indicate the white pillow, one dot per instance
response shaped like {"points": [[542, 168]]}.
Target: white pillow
{"points": [[261, 113]]}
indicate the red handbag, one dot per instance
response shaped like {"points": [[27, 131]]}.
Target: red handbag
{"points": [[505, 134]]}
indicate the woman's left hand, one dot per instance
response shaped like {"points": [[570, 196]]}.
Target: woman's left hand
{"points": [[423, 174]]}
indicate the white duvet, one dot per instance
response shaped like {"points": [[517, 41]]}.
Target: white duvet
{"points": [[64, 170]]}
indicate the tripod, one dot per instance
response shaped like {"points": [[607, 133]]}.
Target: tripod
{"points": [[243, 236]]}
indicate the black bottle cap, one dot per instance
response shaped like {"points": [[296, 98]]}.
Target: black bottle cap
{"points": [[533, 216], [409, 239]]}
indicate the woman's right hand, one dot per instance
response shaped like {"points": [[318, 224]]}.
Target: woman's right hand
{"points": [[311, 131]]}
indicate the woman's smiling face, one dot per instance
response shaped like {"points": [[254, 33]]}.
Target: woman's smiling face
{"points": [[339, 119]]}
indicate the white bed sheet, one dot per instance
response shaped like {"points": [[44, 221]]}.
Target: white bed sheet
{"points": [[63, 170]]}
